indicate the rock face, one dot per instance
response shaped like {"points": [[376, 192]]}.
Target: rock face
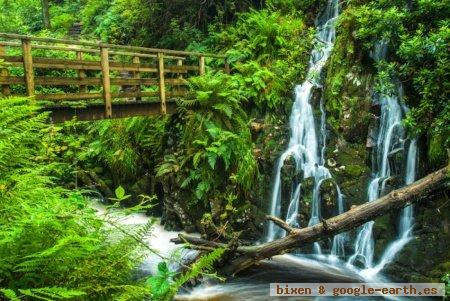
{"points": [[427, 257], [352, 122]]}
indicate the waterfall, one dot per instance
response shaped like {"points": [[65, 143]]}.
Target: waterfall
{"points": [[406, 219], [390, 139], [304, 143]]}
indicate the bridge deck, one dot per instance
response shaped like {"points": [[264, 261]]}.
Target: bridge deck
{"points": [[128, 80]]}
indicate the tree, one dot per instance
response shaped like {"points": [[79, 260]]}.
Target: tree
{"points": [[46, 14]]}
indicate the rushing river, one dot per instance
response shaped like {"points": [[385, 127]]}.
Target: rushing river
{"points": [[253, 284]]}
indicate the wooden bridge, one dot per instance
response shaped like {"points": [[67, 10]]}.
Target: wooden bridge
{"points": [[93, 80]]}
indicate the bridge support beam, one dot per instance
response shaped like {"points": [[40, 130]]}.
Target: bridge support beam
{"points": [[202, 68], [5, 90], [106, 81], [28, 67], [162, 84]]}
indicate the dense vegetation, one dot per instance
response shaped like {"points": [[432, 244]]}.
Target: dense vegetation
{"points": [[207, 164]]}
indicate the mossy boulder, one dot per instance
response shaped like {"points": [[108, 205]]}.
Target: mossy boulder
{"points": [[427, 257]]}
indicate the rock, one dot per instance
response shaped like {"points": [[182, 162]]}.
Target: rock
{"points": [[328, 195], [331, 162], [256, 127]]}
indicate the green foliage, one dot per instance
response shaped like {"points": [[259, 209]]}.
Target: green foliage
{"points": [[170, 24], [21, 16], [418, 36], [165, 284], [124, 147], [215, 146], [52, 244], [270, 53]]}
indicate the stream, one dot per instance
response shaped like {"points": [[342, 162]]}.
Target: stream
{"points": [[252, 284]]}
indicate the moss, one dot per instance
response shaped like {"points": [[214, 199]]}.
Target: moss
{"points": [[354, 170], [437, 153]]}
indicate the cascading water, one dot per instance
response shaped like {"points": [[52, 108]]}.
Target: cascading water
{"points": [[304, 142], [406, 219], [390, 139]]}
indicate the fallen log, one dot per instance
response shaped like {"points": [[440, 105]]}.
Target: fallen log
{"points": [[246, 256]]}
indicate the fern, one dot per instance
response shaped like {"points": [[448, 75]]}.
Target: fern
{"points": [[162, 285], [204, 265], [9, 294], [51, 293], [52, 245]]}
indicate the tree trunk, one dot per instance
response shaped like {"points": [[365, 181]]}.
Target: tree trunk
{"points": [[395, 200], [46, 14]]}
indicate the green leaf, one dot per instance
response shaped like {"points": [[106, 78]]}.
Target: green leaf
{"points": [[162, 268], [9, 294], [212, 159], [120, 192], [197, 158]]}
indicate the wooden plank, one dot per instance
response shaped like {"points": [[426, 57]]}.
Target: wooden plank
{"points": [[12, 80], [137, 75], [10, 44], [227, 67], [69, 96], [201, 67], [5, 90], [180, 75], [162, 86], [28, 67], [134, 94], [88, 96], [97, 112], [111, 46], [81, 73], [91, 50], [50, 63], [88, 81], [144, 55], [106, 81]]}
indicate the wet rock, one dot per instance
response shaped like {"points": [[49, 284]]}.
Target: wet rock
{"points": [[329, 196], [396, 159], [305, 201], [426, 258], [372, 135]]}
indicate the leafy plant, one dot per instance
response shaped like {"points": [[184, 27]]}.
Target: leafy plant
{"points": [[52, 244]]}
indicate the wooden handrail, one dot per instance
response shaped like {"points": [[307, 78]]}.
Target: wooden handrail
{"points": [[110, 46], [89, 50]]}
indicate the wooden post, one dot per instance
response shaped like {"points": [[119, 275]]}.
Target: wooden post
{"points": [[227, 67], [106, 81], [4, 73], [28, 66], [162, 86], [81, 73], [180, 64], [137, 75], [179, 89], [202, 65]]}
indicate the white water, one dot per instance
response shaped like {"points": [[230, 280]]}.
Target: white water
{"points": [[304, 142], [390, 138], [406, 219], [158, 239]]}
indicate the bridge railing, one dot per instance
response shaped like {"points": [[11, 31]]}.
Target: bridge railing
{"points": [[95, 70]]}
